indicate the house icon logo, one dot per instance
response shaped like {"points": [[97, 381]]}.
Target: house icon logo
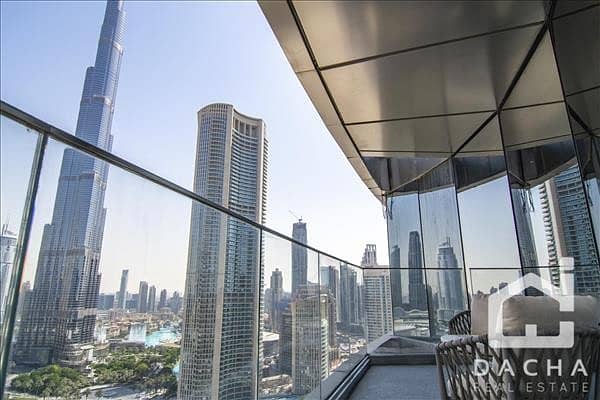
{"points": [[497, 339]]}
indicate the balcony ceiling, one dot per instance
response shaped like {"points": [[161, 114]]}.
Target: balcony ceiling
{"points": [[401, 86]]}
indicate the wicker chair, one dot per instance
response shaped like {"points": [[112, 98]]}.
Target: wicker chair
{"points": [[457, 379], [460, 324]]}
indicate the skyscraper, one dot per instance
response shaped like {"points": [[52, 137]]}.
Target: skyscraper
{"points": [[142, 305], [377, 302], [330, 279], [569, 231], [396, 276], [8, 246], [310, 339], [369, 258], [349, 308], [59, 322], [106, 301], [162, 302], [122, 294], [222, 285], [522, 205], [152, 299], [285, 341], [299, 257], [417, 294], [330, 284], [175, 302], [276, 294], [450, 288]]}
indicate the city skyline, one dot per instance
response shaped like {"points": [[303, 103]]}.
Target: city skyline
{"points": [[147, 257], [146, 261]]}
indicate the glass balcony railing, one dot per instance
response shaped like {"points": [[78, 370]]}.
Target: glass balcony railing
{"points": [[169, 294], [146, 304]]}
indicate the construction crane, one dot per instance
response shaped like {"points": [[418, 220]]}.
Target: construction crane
{"points": [[295, 216]]}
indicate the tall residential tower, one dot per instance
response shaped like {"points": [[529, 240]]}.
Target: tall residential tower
{"points": [[568, 230], [219, 352]]}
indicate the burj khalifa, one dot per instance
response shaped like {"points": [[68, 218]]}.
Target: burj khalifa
{"points": [[58, 323]]}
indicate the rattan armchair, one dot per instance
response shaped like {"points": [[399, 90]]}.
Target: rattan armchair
{"points": [[460, 324], [457, 378]]}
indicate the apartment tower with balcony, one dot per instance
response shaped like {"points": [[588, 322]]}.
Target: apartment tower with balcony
{"points": [[220, 318]]}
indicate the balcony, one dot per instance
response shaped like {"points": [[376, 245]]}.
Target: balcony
{"points": [[473, 127]]}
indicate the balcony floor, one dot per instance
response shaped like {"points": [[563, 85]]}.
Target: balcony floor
{"points": [[398, 382]]}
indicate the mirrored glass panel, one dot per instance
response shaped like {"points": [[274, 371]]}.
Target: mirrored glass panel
{"points": [[554, 227], [409, 298], [487, 224], [292, 363], [485, 281], [578, 61], [404, 230], [439, 219], [447, 296]]}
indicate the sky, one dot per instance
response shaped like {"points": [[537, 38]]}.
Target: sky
{"points": [[179, 57]]}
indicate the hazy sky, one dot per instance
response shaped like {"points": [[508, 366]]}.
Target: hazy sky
{"points": [[179, 56]]}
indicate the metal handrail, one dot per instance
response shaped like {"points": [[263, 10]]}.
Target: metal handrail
{"points": [[62, 136]]}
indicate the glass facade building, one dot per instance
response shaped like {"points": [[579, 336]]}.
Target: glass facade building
{"points": [[222, 279]]}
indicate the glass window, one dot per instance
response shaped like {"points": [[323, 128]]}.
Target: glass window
{"points": [[137, 284], [447, 295], [404, 231], [409, 297], [550, 204], [487, 225], [490, 281], [17, 149], [439, 219]]}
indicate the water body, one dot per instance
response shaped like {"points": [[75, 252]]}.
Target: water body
{"points": [[162, 336]]}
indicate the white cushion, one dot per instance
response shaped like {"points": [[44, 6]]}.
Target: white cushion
{"points": [[479, 314], [542, 311]]}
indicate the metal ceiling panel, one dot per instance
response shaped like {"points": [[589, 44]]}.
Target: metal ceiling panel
{"points": [[343, 140], [436, 134], [466, 76], [569, 6], [539, 82], [315, 90], [284, 27], [340, 31], [406, 154], [587, 106], [360, 168], [487, 142], [577, 50], [533, 126]]}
